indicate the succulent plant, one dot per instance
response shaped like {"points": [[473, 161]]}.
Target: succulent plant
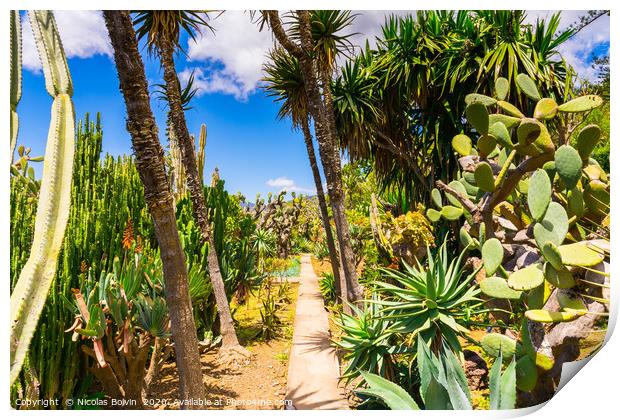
{"points": [[535, 208], [30, 291]]}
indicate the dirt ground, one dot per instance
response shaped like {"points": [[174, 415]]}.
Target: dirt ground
{"points": [[258, 385]]}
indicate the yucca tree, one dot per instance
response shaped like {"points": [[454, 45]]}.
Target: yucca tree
{"points": [[286, 84], [308, 39], [162, 30], [398, 104], [149, 162]]}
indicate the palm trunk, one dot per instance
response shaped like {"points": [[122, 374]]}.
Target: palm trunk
{"points": [[328, 147], [194, 184], [340, 219], [150, 165], [330, 156], [333, 254]]}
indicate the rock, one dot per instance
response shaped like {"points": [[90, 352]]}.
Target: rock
{"points": [[476, 370]]}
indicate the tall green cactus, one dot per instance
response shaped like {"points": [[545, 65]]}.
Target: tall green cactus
{"points": [[16, 74], [106, 193], [30, 292]]}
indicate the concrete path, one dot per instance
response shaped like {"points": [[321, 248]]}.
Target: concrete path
{"points": [[313, 366]]}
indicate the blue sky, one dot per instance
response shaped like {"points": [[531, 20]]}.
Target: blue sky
{"points": [[254, 152]]}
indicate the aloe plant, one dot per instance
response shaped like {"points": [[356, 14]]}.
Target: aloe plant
{"points": [[122, 314], [30, 292]]}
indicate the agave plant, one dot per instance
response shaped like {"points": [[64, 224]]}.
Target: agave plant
{"points": [[327, 286], [431, 302], [366, 341], [443, 385]]}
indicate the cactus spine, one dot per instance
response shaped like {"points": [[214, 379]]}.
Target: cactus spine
{"points": [[30, 292]]}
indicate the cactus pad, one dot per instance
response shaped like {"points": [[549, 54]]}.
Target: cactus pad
{"points": [[568, 165], [433, 215], [527, 86], [484, 177], [451, 212], [501, 134], [528, 131], [510, 109], [552, 255], [544, 316], [507, 120], [502, 86], [576, 205], [570, 302], [596, 197], [581, 104], [478, 116], [562, 278], [479, 98], [496, 287], [526, 278], [492, 342], [492, 255], [436, 197], [587, 139], [580, 255], [458, 187], [465, 238], [545, 109], [553, 227], [486, 144], [462, 144], [539, 194]]}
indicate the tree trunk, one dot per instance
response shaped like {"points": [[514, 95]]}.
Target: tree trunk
{"points": [[150, 165], [333, 254], [355, 291], [329, 150], [328, 146], [194, 184]]}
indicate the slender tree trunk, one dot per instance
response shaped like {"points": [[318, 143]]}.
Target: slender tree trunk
{"points": [[347, 255], [194, 184], [333, 254], [328, 146], [150, 165], [330, 156]]}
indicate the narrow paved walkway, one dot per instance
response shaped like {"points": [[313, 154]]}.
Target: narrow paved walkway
{"points": [[313, 366]]}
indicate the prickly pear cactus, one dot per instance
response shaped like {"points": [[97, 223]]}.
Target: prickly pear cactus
{"points": [[534, 206], [30, 292]]}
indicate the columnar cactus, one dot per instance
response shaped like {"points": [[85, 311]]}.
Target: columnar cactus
{"points": [[16, 74], [30, 292]]}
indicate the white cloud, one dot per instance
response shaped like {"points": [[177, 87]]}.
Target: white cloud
{"points": [[284, 183], [234, 55], [83, 35], [577, 50]]}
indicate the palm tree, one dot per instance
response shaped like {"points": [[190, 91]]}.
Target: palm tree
{"points": [[285, 82], [322, 112], [163, 29], [149, 162]]}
